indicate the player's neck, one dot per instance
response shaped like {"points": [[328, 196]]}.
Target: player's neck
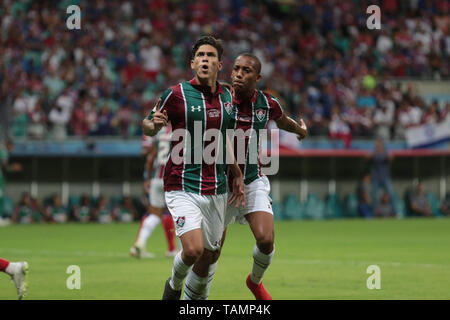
{"points": [[209, 82], [245, 96]]}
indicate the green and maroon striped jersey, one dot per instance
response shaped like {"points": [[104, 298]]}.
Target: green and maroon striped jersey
{"points": [[193, 109], [254, 114]]}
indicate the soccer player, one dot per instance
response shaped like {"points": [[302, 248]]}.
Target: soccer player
{"points": [[157, 151], [254, 110], [196, 191], [18, 272]]}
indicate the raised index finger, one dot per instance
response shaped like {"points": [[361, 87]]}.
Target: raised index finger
{"points": [[157, 106]]}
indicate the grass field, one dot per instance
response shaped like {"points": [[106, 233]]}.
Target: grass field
{"points": [[313, 260]]}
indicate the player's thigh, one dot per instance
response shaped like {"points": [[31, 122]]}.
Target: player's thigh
{"points": [[257, 196], [213, 224], [185, 211]]}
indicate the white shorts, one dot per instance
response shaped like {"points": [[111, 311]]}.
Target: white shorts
{"points": [[156, 195], [256, 199], [193, 211]]}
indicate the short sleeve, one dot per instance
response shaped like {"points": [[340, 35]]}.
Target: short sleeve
{"points": [[275, 109]]}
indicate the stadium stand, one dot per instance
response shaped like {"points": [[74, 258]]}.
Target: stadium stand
{"points": [[83, 93]]}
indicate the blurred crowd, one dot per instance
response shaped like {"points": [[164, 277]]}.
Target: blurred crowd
{"points": [[83, 209], [318, 57]]}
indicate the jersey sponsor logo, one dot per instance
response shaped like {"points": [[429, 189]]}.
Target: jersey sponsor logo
{"points": [[214, 113], [197, 108], [260, 114], [180, 222], [228, 107], [245, 118]]}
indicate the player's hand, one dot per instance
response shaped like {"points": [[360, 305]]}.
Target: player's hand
{"points": [[238, 192], [303, 130], [160, 119]]}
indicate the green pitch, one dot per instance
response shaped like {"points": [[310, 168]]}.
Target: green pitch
{"points": [[313, 260]]}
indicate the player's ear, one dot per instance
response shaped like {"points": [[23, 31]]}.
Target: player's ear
{"points": [[258, 77], [220, 65], [192, 64]]}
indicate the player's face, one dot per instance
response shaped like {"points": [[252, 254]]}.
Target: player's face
{"points": [[206, 62], [244, 75]]}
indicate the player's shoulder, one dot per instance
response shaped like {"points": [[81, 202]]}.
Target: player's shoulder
{"points": [[271, 99], [172, 94]]}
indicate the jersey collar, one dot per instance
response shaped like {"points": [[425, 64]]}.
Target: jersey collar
{"points": [[206, 89], [252, 100]]}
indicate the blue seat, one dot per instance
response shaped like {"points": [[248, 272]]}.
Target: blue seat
{"points": [[351, 206], [8, 207], [333, 207], [277, 208], [292, 208], [74, 200], [115, 200], [314, 207], [435, 204], [399, 206]]}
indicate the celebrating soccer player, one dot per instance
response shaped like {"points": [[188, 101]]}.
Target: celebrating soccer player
{"points": [[254, 110], [196, 189]]}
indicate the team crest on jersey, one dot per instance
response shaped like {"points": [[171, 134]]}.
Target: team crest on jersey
{"points": [[228, 107], [180, 222], [213, 113], [260, 114]]}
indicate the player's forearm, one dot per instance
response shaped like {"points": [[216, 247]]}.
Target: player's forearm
{"points": [[235, 170], [234, 167], [149, 128], [288, 124]]}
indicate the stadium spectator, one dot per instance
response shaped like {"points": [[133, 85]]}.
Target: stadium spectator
{"points": [[379, 172], [419, 204], [25, 211], [384, 117], [125, 210], [37, 127], [102, 211], [106, 122], [59, 119], [79, 123], [338, 129], [445, 207], [324, 50], [365, 208], [384, 208], [56, 211], [83, 211]]}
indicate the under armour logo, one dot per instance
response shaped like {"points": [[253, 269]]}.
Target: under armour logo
{"points": [[198, 108]]}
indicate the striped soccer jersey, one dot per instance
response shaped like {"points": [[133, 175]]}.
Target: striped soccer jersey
{"points": [[254, 114], [193, 109]]}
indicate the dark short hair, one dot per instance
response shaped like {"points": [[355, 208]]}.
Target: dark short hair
{"points": [[254, 58], [216, 43]]}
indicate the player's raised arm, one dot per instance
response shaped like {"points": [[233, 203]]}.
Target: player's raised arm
{"points": [[288, 124], [159, 119]]}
